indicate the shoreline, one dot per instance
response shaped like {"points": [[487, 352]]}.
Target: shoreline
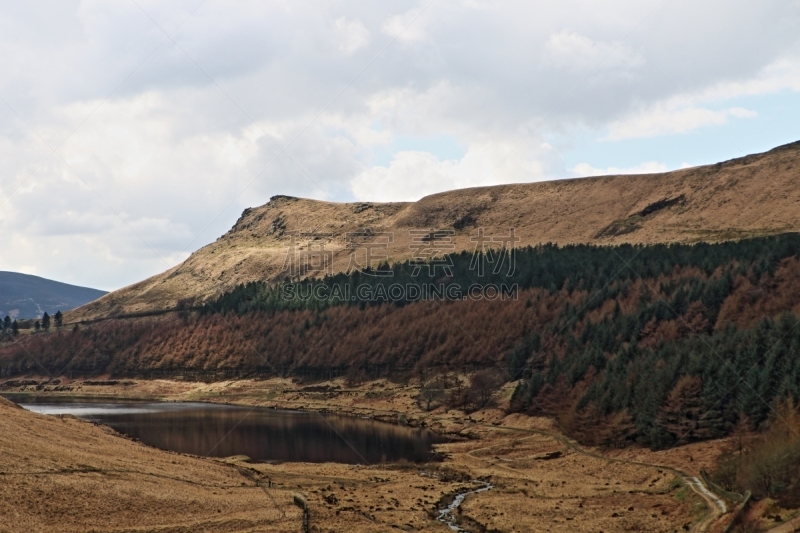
{"points": [[517, 454], [388, 417]]}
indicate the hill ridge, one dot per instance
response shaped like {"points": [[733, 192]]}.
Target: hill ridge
{"points": [[753, 195], [29, 296]]}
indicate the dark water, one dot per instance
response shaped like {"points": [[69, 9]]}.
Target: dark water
{"points": [[261, 434]]}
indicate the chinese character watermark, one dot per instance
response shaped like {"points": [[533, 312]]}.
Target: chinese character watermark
{"points": [[375, 248], [431, 249], [307, 254], [483, 252]]}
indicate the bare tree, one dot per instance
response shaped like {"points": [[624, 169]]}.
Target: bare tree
{"points": [[484, 384], [429, 394]]}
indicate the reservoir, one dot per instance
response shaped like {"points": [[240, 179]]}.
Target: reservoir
{"points": [[262, 434]]}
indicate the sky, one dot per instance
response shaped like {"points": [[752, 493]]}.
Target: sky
{"points": [[134, 132]]}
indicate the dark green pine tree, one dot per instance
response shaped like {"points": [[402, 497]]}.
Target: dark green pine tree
{"points": [[59, 319], [15, 328], [46, 321], [750, 401], [517, 358], [6, 324], [719, 413]]}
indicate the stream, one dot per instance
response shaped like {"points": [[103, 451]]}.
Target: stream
{"points": [[447, 515], [702, 488]]}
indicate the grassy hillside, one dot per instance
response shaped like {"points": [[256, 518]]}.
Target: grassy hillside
{"points": [[659, 344], [67, 475], [751, 196]]}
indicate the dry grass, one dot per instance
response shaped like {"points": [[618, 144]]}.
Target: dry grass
{"points": [[578, 490], [63, 474], [752, 196]]}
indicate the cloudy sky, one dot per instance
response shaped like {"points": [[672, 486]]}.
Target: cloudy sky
{"points": [[134, 132]]}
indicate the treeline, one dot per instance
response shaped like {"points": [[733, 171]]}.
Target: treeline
{"points": [[397, 341], [663, 389], [12, 327], [550, 267], [656, 344], [9, 327]]}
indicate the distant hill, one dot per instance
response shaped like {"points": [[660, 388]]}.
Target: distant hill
{"points": [[25, 296], [751, 196]]}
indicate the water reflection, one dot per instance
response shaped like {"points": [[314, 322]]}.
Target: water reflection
{"points": [[261, 434]]}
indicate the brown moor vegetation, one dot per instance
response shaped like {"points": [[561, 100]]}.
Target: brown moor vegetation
{"points": [[745, 197], [687, 353]]}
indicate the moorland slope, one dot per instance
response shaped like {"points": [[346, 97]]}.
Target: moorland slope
{"points": [[750, 196]]}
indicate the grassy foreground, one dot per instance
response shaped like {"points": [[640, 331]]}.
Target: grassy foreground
{"points": [[69, 475]]}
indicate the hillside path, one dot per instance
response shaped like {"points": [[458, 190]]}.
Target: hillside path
{"points": [[716, 506]]}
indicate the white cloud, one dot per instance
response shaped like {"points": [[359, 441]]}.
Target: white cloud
{"points": [[403, 28], [782, 74], [570, 50], [176, 154], [649, 167], [661, 120], [414, 174], [352, 35]]}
